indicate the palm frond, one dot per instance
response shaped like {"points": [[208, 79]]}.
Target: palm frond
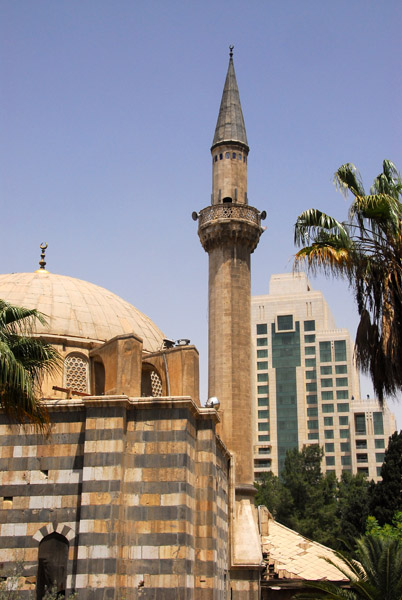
{"points": [[314, 222], [324, 257], [348, 179], [24, 360]]}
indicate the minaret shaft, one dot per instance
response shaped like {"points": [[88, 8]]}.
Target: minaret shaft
{"points": [[230, 350]]}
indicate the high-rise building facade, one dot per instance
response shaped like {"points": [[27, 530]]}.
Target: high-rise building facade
{"points": [[306, 385]]}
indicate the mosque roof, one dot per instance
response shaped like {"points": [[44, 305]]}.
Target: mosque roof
{"points": [[230, 125], [78, 309]]}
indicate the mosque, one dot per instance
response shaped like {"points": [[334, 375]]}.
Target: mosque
{"points": [[139, 492]]}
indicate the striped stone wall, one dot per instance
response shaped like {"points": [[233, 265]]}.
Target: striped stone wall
{"points": [[138, 487]]}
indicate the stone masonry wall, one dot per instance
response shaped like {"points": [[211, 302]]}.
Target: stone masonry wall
{"points": [[138, 487]]}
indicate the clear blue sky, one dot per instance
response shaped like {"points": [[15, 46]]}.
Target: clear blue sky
{"points": [[108, 110]]}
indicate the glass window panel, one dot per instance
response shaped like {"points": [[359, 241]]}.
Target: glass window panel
{"points": [[342, 394], [379, 443], [345, 446], [262, 341], [326, 382], [345, 460], [262, 365], [329, 434], [262, 401], [312, 424], [343, 407], [379, 471], [311, 387], [327, 370], [263, 426], [325, 352], [262, 389], [261, 328], [344, 433], [360, 424], [378, 423], [340, 350], [311, 374], [341, 382], [263, 464], [309, 350], [379, 457], [327, 408], [309, 325], [330, 447], [262, 353], [310, 362], [327, 395], [262, 377], [312, 412], [328, 421], [330, 460], [312, 399], [343, 420], [363, 470], [263, 414], [264, 450], [263, 438], [285, 322], [309, 339], [340, 369], [313, 436], [361, 444], [361, 458]]}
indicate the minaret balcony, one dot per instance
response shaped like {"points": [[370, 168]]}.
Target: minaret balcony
{"points": [[229, 224], [230, 211]]}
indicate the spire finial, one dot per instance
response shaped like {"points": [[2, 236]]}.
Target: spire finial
{"points": [[42, 262], [231, 51]]}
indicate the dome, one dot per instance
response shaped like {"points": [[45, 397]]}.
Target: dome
{"points": [[78, 309]]}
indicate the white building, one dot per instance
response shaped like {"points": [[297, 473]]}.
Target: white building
{"points": [[306, 385]]}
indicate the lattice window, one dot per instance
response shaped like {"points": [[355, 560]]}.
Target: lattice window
{"points": [[156, 384], [76, 372]]}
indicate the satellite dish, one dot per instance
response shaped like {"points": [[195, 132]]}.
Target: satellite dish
{"points": [[263, 215], [194, 215]]}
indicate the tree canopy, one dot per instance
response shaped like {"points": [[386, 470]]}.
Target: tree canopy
{"points": [[386, 497], [367, 250]]}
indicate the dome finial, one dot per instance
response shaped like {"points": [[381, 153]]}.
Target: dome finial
{"points": [[42, 262], [231, 51]]}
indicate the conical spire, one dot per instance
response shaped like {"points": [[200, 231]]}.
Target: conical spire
{"points": [[230, 125]]}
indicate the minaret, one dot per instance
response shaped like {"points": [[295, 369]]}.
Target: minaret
{"points": [[229, 231]]}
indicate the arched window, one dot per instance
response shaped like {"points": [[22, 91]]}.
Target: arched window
{"points": [[52, 565], [76, 372]]}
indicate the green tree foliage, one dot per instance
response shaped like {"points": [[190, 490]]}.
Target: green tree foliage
{"points": [[374, 574], [386, 496], [367, 250], [393, 531], [24, 359], [316, 505]]}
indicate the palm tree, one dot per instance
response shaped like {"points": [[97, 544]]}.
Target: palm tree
{"points": [[24, 360], [375, 574], [367, 250]]}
